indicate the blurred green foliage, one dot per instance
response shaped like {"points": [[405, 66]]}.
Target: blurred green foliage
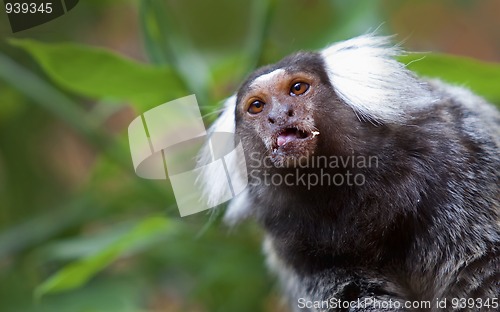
{"points": [[480, 77], [78, 230], [114, 78]]}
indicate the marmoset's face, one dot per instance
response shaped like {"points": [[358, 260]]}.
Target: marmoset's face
{"points": [[276, 111]]}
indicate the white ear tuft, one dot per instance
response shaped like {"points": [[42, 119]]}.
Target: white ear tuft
{"points": [[365, 75], [225, 122], [214, 179], [238, 209]]}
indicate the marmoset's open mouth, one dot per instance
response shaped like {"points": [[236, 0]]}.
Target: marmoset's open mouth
{"points": [[290, 135], [291, 143]]}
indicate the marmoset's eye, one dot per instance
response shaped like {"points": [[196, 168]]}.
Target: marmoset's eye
{"points": [[299, 88], [256, 107]]}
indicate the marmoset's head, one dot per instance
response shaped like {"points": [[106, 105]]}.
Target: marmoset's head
{"points": [[312, 103], [278, 108]]}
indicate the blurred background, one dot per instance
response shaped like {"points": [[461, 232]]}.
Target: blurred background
{"points": [[79, 231]]}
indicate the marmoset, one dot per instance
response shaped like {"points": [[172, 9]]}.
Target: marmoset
{"points": [[377, 190]]}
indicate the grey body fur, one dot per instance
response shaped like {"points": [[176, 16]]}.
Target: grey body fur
{"points": [[424, 226], [457, 254]]}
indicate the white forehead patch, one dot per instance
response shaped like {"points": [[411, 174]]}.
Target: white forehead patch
{"points": [[269, 77]]}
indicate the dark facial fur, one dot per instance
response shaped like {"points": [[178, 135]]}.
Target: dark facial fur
{"points": [[425, 223]]}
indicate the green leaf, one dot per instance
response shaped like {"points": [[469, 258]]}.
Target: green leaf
{"points": [[78, 273], [481, 77], [102, 74], [63, 107]]}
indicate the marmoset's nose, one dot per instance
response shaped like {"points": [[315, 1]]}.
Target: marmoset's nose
{"points": [[280, 114]]}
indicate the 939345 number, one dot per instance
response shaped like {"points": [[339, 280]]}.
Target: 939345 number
{"points": [[28, 7], [474, 303]]}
